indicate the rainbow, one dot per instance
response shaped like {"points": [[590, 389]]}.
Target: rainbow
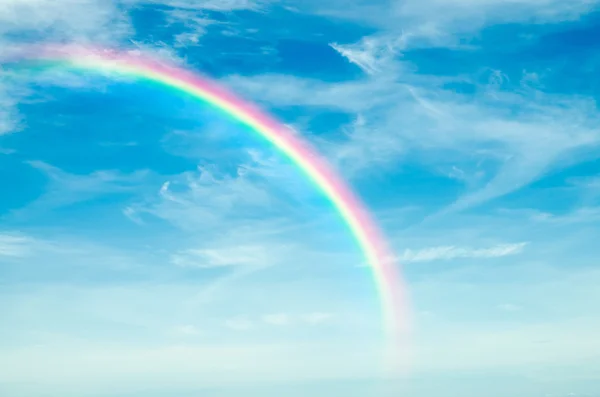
{"points": [[373, 245]]}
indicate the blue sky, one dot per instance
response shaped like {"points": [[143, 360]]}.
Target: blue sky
{"points": [[150, 246]]}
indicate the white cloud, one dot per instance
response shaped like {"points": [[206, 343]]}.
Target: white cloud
{"points": [[500, 141], [76, 22], [288, 90], [367, 148], [66, 189], [187, 39], [213, 5], [487, 345], [583, 214], [245, 250], [158, 50], [15, 245], [510, 138], [196, 200], [492, 11], [441, 22], [370, 54], [193, 16], [55, 256], [453, 252], [89, 21], [253, 256], [10, 120], [27, 246]]}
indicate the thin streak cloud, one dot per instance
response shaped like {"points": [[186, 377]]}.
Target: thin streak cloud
{"points": [[452, 252]]}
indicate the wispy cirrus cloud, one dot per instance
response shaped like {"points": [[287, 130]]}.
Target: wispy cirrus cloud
{"points": [[370, 54], [441, 22], [576, 216], [65, 189], [453, 252], [510, 137], [253, 256], [69, 20], [13, 245], [213, 5], [9, 121], [195, 16], [502, 134], [195, 199], [23, 246]]}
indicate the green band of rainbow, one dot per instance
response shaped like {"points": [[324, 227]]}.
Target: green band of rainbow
{"points": [[389, 284]]}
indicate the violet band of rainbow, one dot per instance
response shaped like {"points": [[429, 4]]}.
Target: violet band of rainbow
{"points": [[386, 273]]}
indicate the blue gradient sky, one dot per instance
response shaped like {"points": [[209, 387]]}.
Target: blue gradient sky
{"points": [[149, 246]]}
